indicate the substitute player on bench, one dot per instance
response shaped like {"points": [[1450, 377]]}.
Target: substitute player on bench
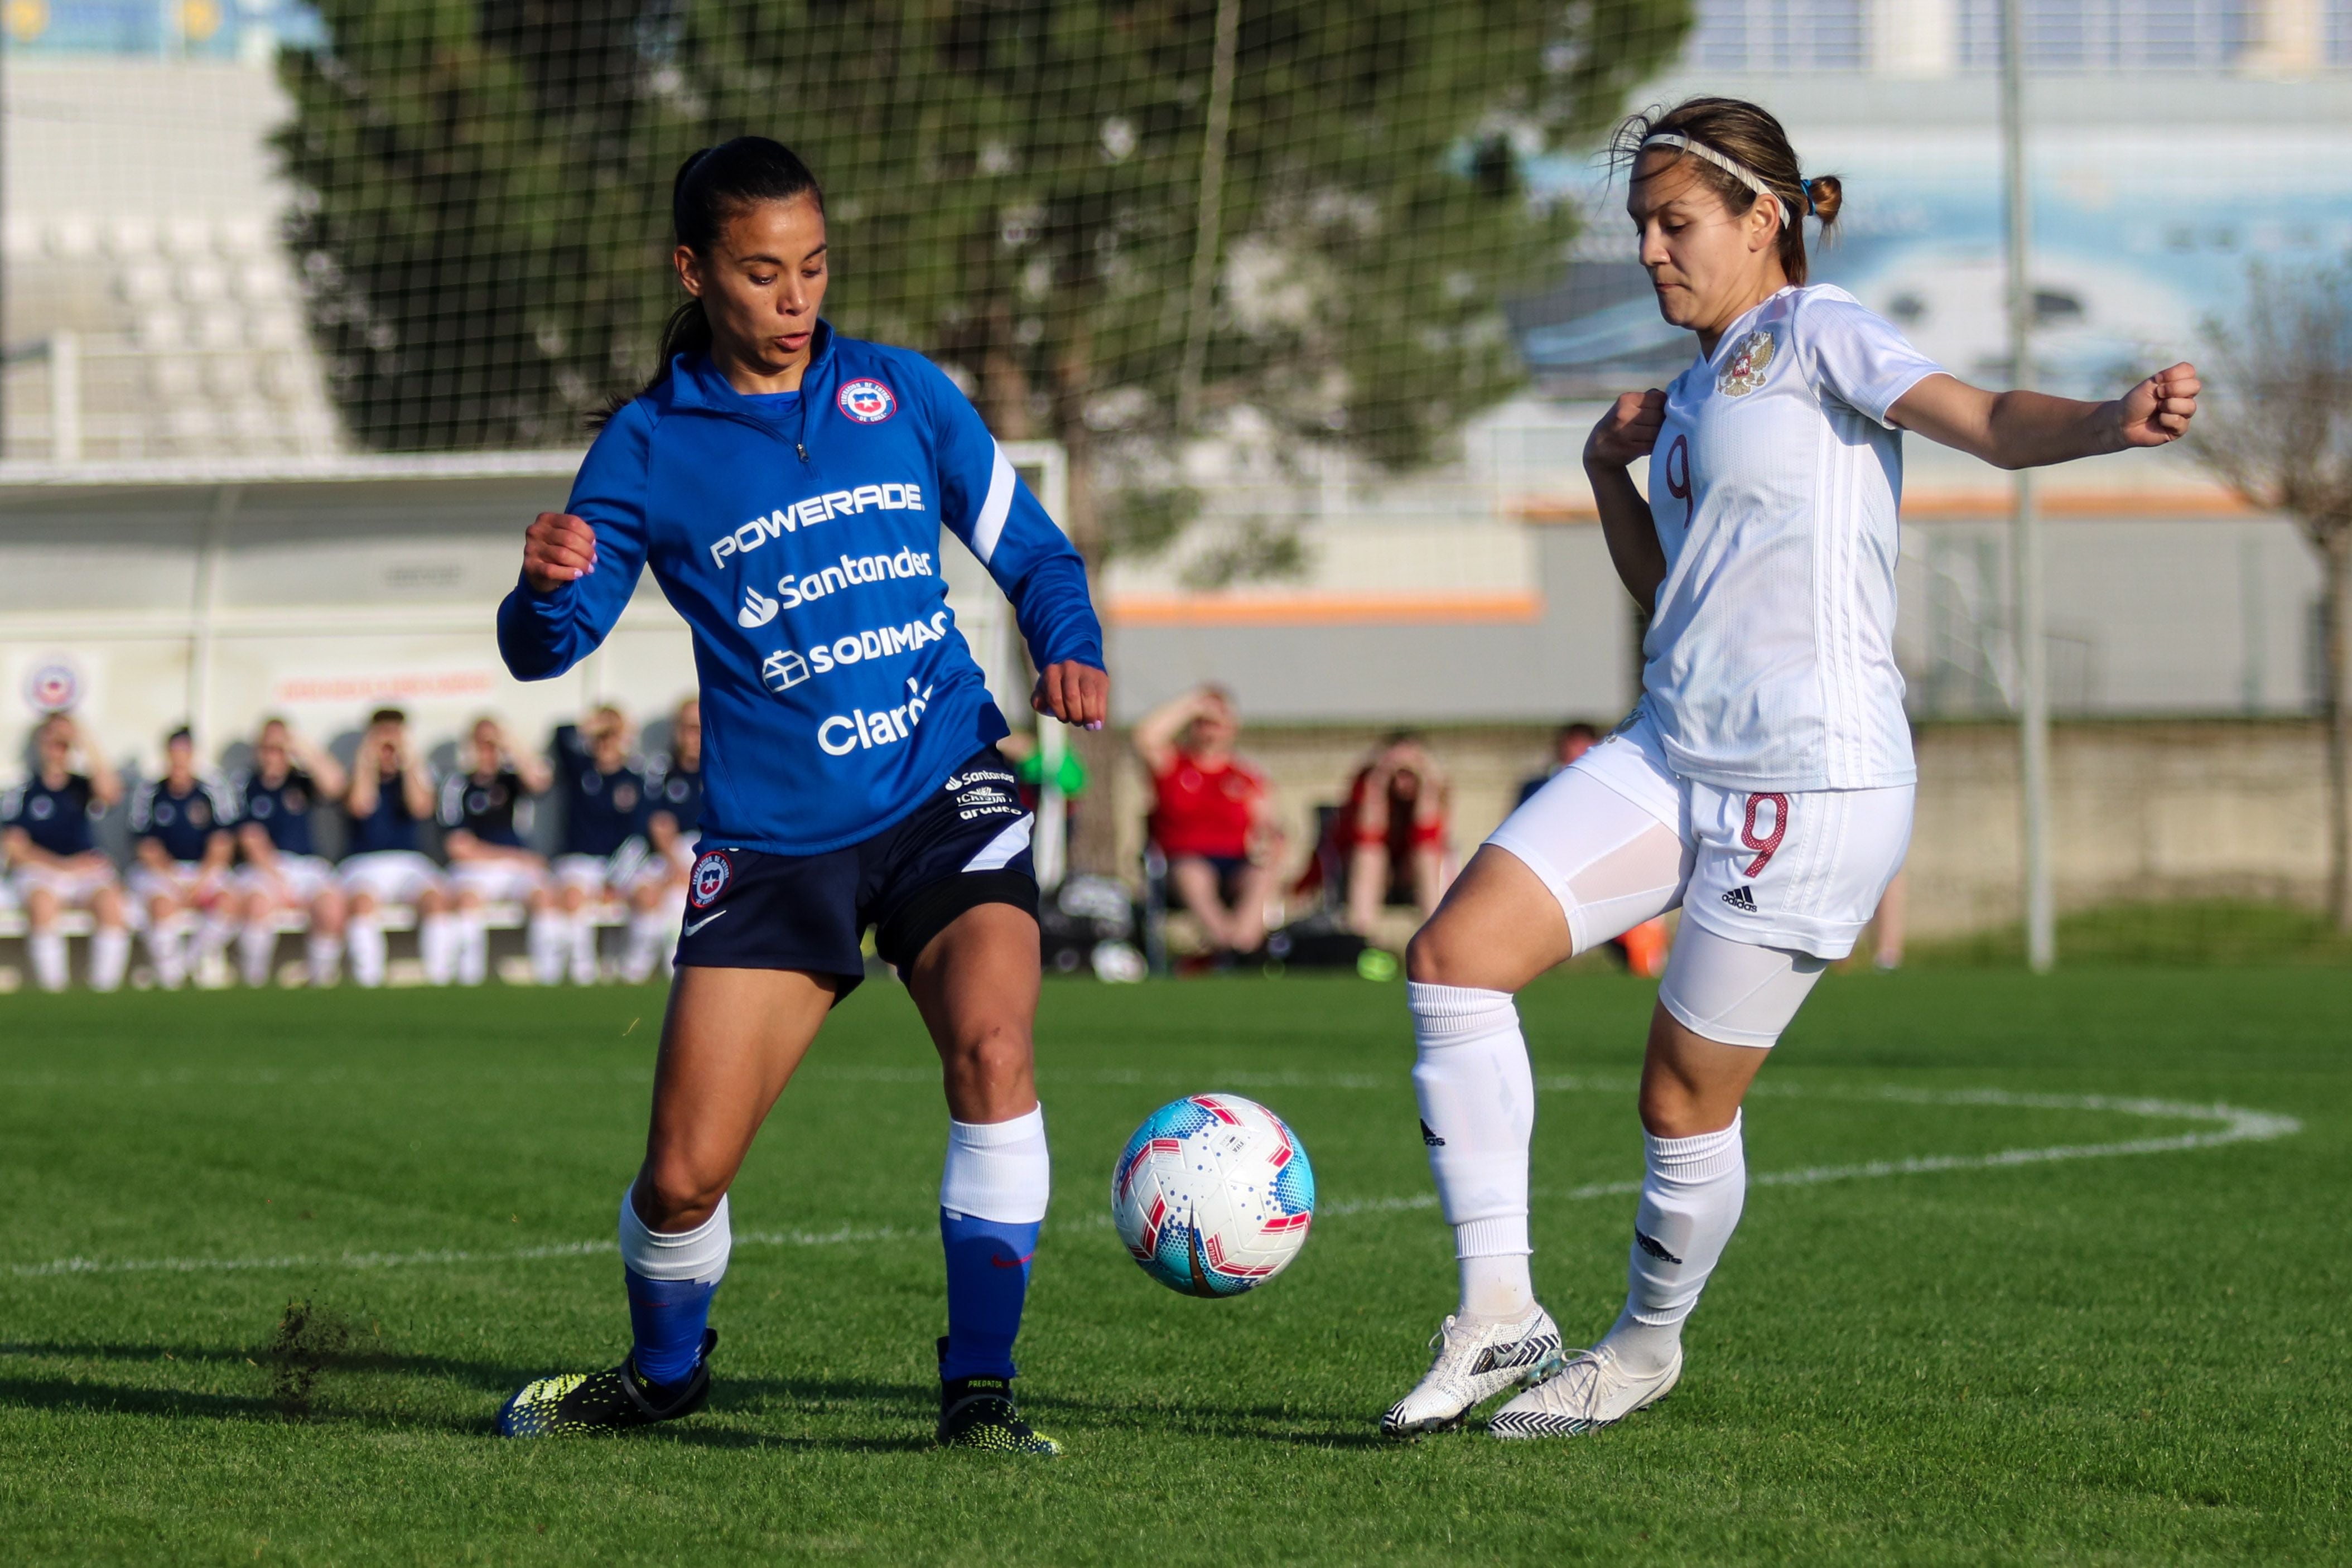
{"points": [[54, 858], [1763, 783], [180, 834], [603, 847], [488, 862], [390, 796], [283, 869], [672, 829], [853, 773]]}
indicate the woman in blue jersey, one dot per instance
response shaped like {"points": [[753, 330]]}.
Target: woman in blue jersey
{"points": [[787, 486]]}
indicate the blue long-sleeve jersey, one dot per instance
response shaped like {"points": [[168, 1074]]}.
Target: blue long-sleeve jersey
{"points": [[799, 536]]}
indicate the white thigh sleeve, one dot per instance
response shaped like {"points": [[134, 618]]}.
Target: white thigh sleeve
{"points": [[1734, 993], [1611, 862]]}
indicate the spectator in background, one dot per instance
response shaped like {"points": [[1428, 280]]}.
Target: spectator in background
{"points": [[1212, 816], [283, 869], [44, 829], [673, 828], [674, 790], [603, 823], [1395, 828], [180, 828], [488, 862], [391, 795], [1572, 741]]}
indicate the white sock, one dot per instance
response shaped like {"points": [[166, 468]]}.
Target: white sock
{"points": [[109, 956], [643, 954], [998, 1170], [583, 948], [366, 940], [1478, 1097], [549, 938], [324, 958], [167, 947], [1691, 1199], [473, 947], [700, 1253], [213, 938], [47, 949], [437, 949], [257, 945]]}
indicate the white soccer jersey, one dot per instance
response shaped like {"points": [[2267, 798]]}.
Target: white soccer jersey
{"points": [[1769, 661]]}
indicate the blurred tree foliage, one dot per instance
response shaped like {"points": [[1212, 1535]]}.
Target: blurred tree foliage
{"points": [[1015, 187]]}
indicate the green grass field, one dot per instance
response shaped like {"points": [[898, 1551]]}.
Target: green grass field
{"points": [[2086, 1356]]}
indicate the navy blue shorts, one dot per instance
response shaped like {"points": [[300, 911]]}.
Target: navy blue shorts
{"points": [[966, 846]]}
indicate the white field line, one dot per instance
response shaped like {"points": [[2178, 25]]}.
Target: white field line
{"points": [[2236, 1125]]}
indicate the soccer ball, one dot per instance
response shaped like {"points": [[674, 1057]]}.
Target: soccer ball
{"points": [[1213, 1194]]}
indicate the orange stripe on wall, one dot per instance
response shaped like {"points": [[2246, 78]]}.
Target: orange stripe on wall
{"points": [[1972, 506], [1325, 609]]}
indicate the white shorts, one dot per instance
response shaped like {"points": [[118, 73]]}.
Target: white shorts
{"points": [[1802, 869], [389, 876], [297, 879], [499, 881], [184, 883], [73, 886], [1619, 838]]}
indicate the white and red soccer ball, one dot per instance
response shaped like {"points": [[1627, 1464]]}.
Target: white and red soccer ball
{"points": [[1213, 1196]]}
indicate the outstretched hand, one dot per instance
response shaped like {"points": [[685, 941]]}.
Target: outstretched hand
{"points": [[1628, 430], [2158, 409], [557, 548], [1074, 693]]}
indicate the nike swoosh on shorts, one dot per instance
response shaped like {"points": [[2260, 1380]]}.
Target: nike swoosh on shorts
{"points": [[694, 926]]}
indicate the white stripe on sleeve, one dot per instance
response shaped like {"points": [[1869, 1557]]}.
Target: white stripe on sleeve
{"points": [[989, 527]]}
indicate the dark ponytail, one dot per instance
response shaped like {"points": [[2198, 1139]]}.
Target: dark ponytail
{"points": [[712, 187]]}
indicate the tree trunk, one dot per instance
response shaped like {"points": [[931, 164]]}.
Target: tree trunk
{"points": [[2334, 603]]}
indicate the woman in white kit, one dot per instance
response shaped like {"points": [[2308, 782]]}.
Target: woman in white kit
{"points": [[1763, 783]]}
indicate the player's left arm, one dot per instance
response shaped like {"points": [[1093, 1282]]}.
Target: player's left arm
{"points": [[2023, 429], [988, 506]]}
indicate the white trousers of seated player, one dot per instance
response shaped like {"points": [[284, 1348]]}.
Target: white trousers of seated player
{"points": [[1773, 887]]}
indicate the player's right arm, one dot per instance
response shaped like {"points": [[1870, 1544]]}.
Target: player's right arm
{"points": [[1627, 431], [581, 565]]}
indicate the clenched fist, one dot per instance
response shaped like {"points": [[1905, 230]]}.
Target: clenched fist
{"points": [[557, 548]]}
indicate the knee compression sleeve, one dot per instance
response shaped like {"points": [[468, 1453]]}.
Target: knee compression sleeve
{"points": [[1733, 993]]}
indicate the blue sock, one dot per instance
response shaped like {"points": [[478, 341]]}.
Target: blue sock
{"points": [[668, 1317], [988, 1278]]}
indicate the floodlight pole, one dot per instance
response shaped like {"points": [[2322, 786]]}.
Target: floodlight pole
{"points": [[2025, 542]]}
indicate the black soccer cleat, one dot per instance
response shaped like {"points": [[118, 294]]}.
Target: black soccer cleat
{"points": [[979, 1412], [577, 1403]]}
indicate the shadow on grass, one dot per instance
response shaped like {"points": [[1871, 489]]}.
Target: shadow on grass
{"points": [[340, 1394]]}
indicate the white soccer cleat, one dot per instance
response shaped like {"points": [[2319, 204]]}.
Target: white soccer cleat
{"points": [[1474, 1362], [1591, 1392]]}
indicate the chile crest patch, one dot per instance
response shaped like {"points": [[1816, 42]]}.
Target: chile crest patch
{"points": [[868, 401], [711, 875]]}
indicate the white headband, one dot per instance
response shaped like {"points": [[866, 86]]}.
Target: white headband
{"points": [[1737, 170]]}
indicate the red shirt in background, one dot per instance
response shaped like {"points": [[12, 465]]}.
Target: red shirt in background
{"points": [[1205, 808]]}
